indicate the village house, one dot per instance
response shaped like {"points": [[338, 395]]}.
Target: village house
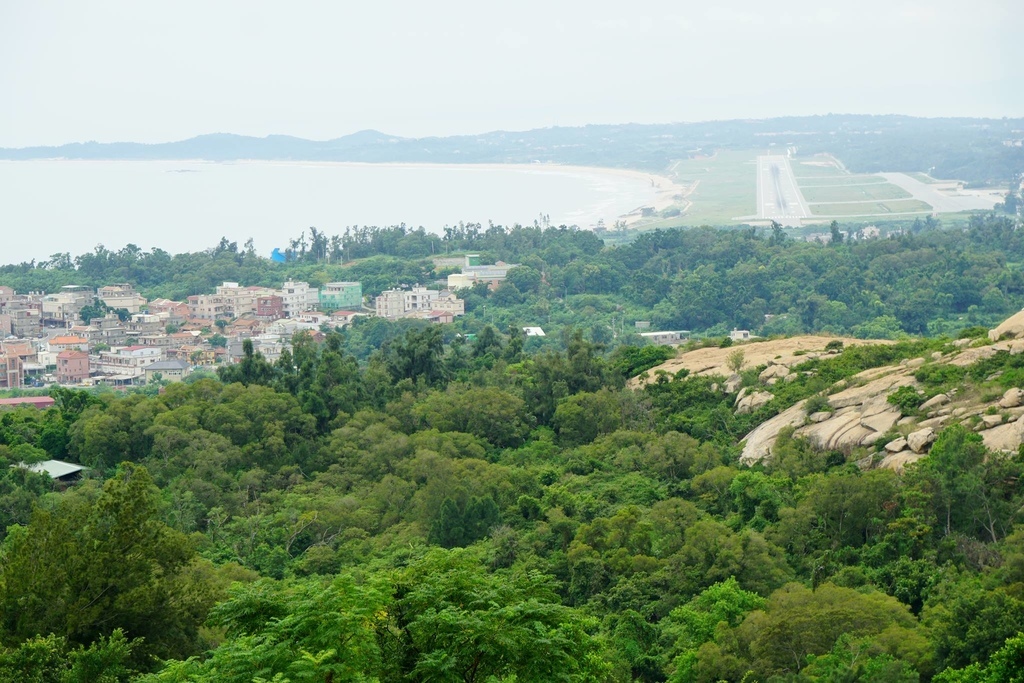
{"points": [[473, 272], [270, 307], [127, 364], [419, 302], [121, 296], [66, 305], [342, 318], [174, 312], [335, 295], [66, 342], [11, 373], [72, 366], [666, 338], [24, 323], [168, 370], [107, 330], [298, 297]]}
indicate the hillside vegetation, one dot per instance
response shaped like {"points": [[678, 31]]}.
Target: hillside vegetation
{"points": [[398, 503]]}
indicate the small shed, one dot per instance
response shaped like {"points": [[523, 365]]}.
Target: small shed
{"points": [[58, 470]]}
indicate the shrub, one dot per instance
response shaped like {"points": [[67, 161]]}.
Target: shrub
{"points": [[906, 399]]}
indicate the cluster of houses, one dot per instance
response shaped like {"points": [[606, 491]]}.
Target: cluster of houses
{"points": [[44, 338]]}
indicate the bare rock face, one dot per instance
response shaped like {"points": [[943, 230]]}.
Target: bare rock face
{"points": [[1012, 398], [752, 401], [761, 440], [1012, 327], [775, 372], [896, 445], [733, 384], [920, 440], [1017, 347], [990, 421], [935, 402], [820, 416], [862, 415], [1006, 437], [898, 461]]}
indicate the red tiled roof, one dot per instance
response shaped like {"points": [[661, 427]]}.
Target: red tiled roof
{"points": [[37, 401], [69, 340], [72, 353]]}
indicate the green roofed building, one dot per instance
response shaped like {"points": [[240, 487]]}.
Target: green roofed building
{"points": [[341, 296]]}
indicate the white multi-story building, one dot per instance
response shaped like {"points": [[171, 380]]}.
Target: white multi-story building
{"points": [[417, 302], [127, 364], [298, 297], [390, 304], [122, 296]]}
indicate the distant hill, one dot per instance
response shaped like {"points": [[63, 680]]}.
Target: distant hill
{"points": [[979, 151]]}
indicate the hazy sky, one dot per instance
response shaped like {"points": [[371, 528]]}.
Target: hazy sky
{"points": [[154, 71]]}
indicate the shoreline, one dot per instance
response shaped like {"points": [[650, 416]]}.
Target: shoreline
{"points": [[664, 189]]}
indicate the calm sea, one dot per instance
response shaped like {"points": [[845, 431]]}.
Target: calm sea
{"points": [[54, 206]]}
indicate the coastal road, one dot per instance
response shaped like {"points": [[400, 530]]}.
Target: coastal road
{"points": [[778, 195]]}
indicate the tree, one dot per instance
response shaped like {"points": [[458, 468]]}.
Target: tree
{"points": [[452, 620], [835, 233], [85, 569], [734, 361]]}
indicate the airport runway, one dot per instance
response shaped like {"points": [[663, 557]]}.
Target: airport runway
{"points": [[940, 201], [778, 195]]}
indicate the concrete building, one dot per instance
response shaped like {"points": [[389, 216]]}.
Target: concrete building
{"points": [[270, 307], [298, 297], [11, 374], [473, 272], [127, 364], [390, 304], [176, 312], [335, 295], [666, 338], [72, 366], [67, 342], [121, 296], [145, 323], [107, 330], [65, 306], [25, 323], [207, 307], [168, 371], [448, 302]]}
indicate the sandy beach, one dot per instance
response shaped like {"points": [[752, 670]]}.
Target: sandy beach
{"points": [[666, 192]]}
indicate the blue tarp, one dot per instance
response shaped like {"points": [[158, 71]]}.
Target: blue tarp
{"points": [[277, 257]]}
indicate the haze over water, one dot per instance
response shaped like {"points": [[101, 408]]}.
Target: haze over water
{"points": [[54, 206]]}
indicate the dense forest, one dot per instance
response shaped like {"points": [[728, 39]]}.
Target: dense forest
{"points": [[405, 503], [963, 148], [925, 280], [476, 512]]}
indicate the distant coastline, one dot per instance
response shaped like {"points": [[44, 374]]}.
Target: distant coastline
{"points": [[187, 205]]}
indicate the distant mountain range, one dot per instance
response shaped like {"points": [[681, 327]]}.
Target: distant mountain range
{"points": [[976, 150]]}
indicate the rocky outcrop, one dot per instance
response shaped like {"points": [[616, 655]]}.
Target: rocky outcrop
{"points": [[935, 402], [761, 440], [1012, 398], [748, 402], [1012, 327], [896, 445], [862, 415], [1006, 437], [921, 440]]}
